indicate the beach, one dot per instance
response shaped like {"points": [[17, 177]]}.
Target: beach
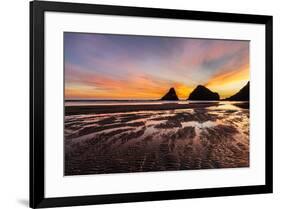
{"points": [[102, 109], [122, 138]]}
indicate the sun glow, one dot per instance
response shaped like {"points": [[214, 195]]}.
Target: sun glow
{"points": [[142, 67]]}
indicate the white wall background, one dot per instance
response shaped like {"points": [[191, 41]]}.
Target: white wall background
{"points": [[14, 113]]}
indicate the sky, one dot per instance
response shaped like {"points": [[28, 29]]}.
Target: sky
{"points": [[107, 66]]}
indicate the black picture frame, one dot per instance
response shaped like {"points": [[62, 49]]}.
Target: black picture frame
{"points": [[37, 195]]}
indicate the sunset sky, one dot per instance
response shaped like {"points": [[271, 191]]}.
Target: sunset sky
{"points": [[102, 66]]}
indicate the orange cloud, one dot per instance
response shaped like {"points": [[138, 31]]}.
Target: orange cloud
{"points": [[88, 84], [227, 84], [140, 86], [91, 85]]}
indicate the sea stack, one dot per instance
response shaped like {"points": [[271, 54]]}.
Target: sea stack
{"points": [[171, 95], [203, 93], [242, 95]]}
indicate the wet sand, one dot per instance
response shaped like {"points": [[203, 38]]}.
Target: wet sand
{"points": [[101, 140], [101, 109]]}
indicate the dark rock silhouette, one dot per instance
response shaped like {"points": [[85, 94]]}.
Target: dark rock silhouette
{"points": [[203, 93], [242, 95], [171, 95]]}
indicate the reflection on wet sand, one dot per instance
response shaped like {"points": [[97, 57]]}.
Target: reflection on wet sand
{"points": [[215, 136]]}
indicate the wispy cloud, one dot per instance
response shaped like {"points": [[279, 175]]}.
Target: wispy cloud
{"points": [[142, 67], [85, 84]]}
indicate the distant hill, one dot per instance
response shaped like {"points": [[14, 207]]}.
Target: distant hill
{"points": [[203, 93], [170, 95], [242, 95]]}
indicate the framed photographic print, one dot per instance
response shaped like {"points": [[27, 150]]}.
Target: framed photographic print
{"points": [[135, 104]]}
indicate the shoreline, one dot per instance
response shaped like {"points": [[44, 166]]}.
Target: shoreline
{"points": [[101, 109]]}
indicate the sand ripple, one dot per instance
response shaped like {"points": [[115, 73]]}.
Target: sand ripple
{"points": [[156, 141]]}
